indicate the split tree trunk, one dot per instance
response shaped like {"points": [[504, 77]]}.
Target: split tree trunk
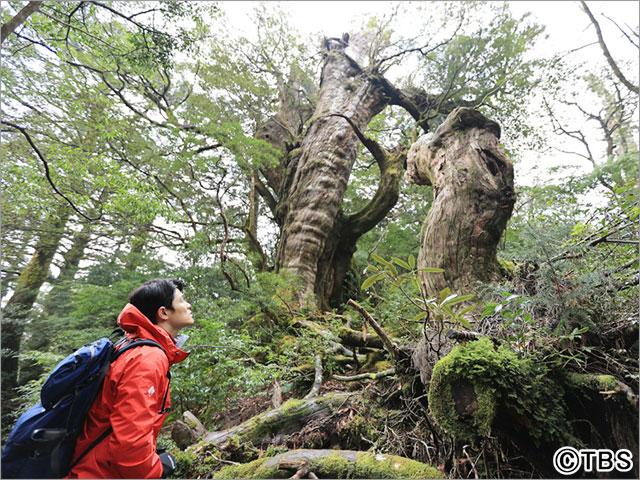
{"points": [[473, 192], [305, 191], [311, 229]]}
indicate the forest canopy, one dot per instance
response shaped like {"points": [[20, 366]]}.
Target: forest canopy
{"points": [[411, 249]]}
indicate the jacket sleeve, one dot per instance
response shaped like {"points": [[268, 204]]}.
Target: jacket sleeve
{"points": [[134, 414]]}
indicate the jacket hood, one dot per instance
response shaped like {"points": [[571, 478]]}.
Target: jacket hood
{"points": [[136, 324]]}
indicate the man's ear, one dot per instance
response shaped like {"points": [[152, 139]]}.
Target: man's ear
{"points": [[161, 314]]}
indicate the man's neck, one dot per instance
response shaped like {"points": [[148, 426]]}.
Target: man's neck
{"points": [[169, 329]]}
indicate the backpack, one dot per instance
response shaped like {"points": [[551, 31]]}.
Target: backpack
{"points": [[43, 440]]}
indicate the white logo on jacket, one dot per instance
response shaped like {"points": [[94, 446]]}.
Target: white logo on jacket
{"points": [[151, 390]]}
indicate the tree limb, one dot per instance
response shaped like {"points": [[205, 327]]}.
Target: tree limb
{"points": [[9, 27], [607, 54], [46, 170], [365, 376], [386, 196], [317, 382], [389, 345]]}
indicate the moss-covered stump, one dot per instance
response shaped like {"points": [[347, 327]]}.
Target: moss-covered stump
{"points": [[292, 416], [331, 464], [478, 390], [477, 384]]}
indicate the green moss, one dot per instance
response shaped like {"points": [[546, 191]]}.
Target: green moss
{"points": [[500, 379], [291, 404], [508, 267], [254, 469], [184, 463], [382, 365], [371, 465], [366, 465], [191, 465], [596, 382], [332, 466]]}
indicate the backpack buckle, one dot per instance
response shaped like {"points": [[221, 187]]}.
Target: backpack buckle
{"points": [[48, 435]]}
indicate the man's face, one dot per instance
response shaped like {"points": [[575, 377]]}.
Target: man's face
{"points": [[179, 315]]}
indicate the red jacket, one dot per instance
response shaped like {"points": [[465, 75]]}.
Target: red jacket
{"points": [[130, 402]]}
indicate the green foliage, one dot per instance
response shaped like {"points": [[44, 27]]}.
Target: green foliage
{"points": [[399, 300]]}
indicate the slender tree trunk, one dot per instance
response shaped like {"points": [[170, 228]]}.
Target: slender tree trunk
{"points": [[139, 240], [9, 27], [57, 301], [24, 296], [472, 183], [317, 177]]}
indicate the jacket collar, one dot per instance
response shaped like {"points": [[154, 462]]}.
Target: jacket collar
{"points": [[137, 325]]}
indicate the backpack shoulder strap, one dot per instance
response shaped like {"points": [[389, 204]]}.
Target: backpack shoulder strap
{"points": [[138, 342]]}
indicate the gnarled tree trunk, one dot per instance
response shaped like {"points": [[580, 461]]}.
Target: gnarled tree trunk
{"points": [[473, 192], [318, 177]]}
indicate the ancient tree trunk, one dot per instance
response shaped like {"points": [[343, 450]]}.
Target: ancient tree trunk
{"points": [[473, 192], [317, 176], [25, 294]]}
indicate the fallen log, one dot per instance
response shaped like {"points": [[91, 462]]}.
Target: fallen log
{"points": [[353, 338], [365, 376], [292, 416], [330, 464]]}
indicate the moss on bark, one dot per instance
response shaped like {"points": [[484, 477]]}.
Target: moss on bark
{"points": [[332, 464]]}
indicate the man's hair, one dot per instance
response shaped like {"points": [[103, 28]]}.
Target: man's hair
{"points": [[152, 295]]}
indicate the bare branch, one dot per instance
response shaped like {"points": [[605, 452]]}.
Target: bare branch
{"points": [[365, 376], [317, 382], [631, 40], [607, 54], [389, 345]]}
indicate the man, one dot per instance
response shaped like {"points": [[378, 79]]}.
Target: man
{"points": [[122, 426]]}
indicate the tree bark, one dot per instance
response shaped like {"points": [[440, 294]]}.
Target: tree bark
{"points": [[57, 301], [317, 177], [9, 27], [24, 296], [473, 191]]}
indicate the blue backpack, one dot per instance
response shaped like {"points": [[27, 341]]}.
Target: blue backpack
{"points": [[43, 440]]}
